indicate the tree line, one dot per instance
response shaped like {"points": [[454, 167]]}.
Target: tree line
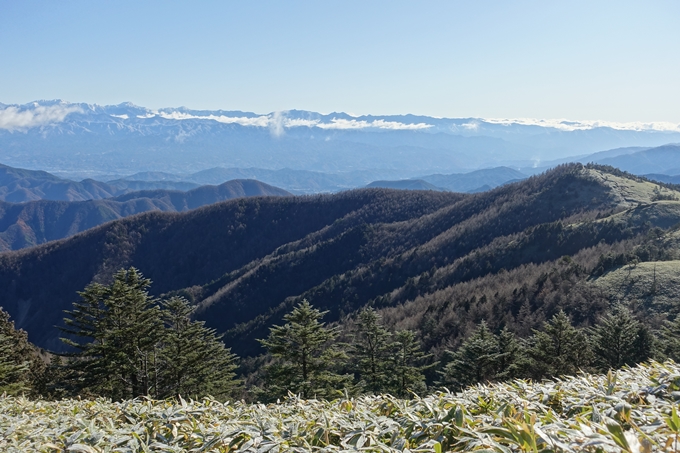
{"points": [[126, 344]]}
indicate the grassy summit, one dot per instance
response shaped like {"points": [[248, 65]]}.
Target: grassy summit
{"points": [[633, 410]]}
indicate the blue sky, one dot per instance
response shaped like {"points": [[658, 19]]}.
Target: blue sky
{"points": [[607, 60]]}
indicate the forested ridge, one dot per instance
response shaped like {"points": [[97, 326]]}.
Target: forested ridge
{"points": [[36, 222], [464, 288]]}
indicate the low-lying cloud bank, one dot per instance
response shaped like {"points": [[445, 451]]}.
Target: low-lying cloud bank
{"points": [[568, 125], [13, 118], [278, 120]]}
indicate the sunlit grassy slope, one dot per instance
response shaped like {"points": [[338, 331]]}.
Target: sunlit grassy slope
{"points": [[630, 191], [656, 284], [632, 410]]}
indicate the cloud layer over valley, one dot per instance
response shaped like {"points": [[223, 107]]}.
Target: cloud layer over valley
{"points": [[13, 117]]}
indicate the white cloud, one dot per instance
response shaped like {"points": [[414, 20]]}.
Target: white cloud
{"points": [[124, 116], [261, 121], [276, 124], [568, 125], [13, 118], [378, 124], [292, 122]]}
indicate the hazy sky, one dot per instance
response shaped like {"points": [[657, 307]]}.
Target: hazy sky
{"points": [[608, 60]]}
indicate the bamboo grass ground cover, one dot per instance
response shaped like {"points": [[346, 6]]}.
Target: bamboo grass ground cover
{"points": [[633, 410]]}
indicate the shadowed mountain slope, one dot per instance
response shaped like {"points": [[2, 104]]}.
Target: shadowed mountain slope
{"points": [[418, 256], [186, 250]]}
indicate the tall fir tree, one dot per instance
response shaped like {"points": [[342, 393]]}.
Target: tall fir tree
{"points": [[307, 361], [408, 365], [558, 350], [193, 361], [619, 339], [475, 361], [122, 329], [371, 352]]}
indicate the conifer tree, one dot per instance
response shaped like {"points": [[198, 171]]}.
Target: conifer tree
{"points": [[122, 328], [371, 351], [193, 360], [475, 361], [510, 356], [12, 373], [559, 349], [307, 359], [670, 339], [21, 368], [619, 339], [408, 365]]}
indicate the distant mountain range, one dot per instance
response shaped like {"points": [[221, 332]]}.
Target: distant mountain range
{"points": [[37, 207], [18, 185], [476, 181], [404, 184], [92, 140], [472, 182], [663, 159], [36, 222], [668, 179], [21, 185], [295, 181]]}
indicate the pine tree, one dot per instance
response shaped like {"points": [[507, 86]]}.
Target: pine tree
{"points": [[475, 361], [559, 349], [408, 365], [619, 339], [371, 351], [307, 358], [193, 361], [122, 327]]}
